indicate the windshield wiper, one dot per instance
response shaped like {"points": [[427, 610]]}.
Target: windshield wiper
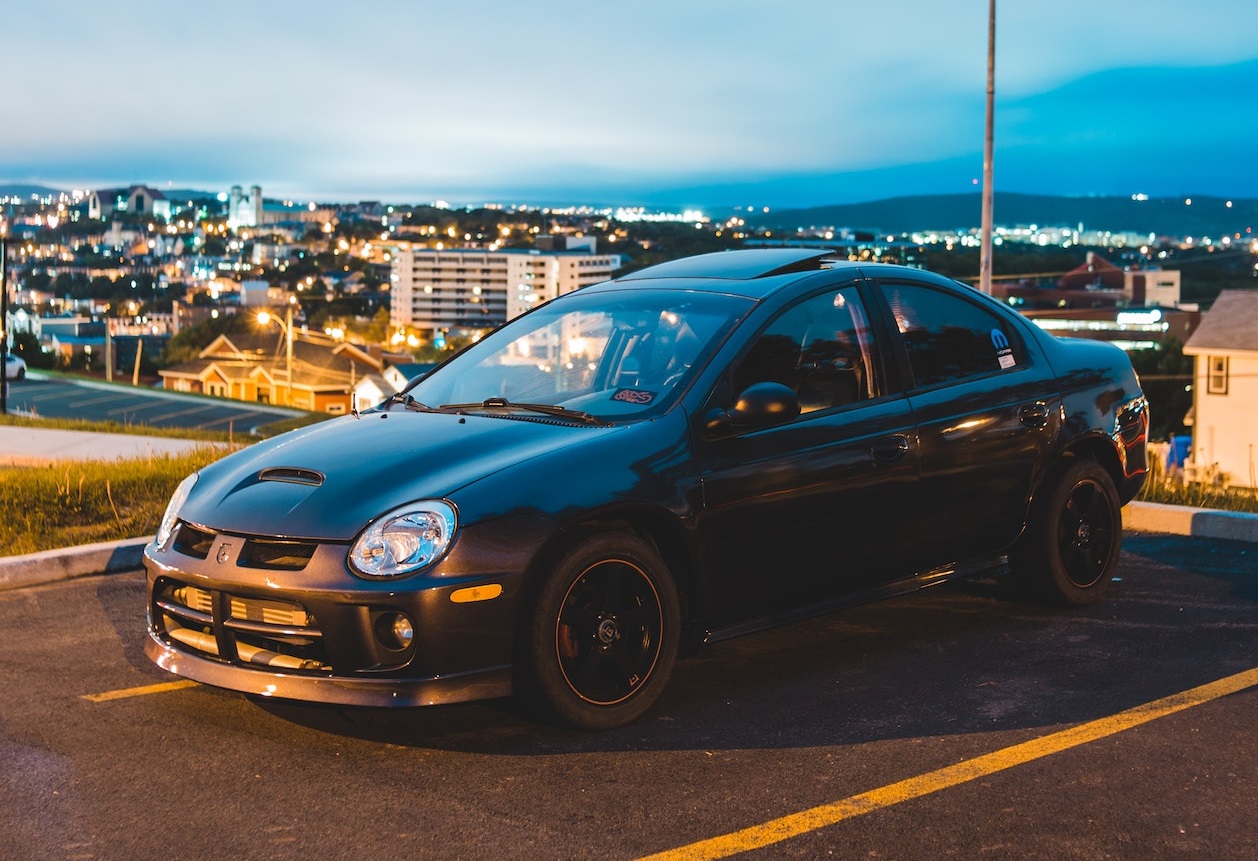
{"points": [[544, 409], [405, 400]]}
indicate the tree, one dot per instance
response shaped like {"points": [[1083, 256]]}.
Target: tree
{"points": [[1166, 376], [27, 346], [191, 341]]}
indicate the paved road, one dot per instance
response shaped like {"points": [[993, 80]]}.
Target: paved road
{"points": [[59, 397], [751, 730]]}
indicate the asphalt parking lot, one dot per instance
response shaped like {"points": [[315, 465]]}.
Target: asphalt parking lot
{"points": [[53, 396], [953, 723]]}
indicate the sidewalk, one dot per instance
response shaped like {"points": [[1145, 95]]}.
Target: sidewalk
{"points": [[23, 446], [28, 446]]}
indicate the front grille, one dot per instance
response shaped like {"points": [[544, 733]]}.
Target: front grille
{"points": [[274, 554], [277, 555], [239, 629], [193, 541]]}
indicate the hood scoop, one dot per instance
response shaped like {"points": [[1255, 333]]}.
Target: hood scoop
{"points": [[292, 475]]}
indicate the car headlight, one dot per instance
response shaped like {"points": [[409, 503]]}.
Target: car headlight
{"points": [[404, 540], [180, 496]]}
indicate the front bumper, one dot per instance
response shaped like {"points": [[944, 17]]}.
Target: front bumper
{"points": [[289, 620], [484, 684]]}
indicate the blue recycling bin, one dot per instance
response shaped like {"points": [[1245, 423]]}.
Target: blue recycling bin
{"points": [[1180, 450]]}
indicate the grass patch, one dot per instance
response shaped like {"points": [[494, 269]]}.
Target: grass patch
{"points": [[116, 427], [1199, 495], [83, 502], [263, 431]]}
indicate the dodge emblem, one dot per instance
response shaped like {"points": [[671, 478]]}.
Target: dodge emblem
{"points": [[224, 552]]}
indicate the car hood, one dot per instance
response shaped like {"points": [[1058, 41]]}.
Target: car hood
{"points": [[328, 481]]}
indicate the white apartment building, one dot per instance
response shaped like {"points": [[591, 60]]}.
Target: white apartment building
{"points": [[466, 288]]}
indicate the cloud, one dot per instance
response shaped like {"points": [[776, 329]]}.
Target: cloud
{"points": [[395, 99]]}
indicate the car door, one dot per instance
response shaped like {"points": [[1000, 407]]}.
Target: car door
{"points": [[815, 507], [986, 410]]}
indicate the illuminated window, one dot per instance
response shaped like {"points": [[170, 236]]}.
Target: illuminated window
{"points": [[1216, 382]]}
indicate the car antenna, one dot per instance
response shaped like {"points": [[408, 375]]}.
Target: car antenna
{"points": [[353, 404]]}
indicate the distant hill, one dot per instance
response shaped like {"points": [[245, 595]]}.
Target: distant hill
{"points": [[26, 190], [1206, 216]]}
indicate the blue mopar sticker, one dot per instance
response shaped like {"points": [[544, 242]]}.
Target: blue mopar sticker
{"points": [[1004, 352]]}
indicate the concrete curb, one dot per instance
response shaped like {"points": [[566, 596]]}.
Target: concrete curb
{"points": [[1197, 522], [50, 566], [117, 557]]}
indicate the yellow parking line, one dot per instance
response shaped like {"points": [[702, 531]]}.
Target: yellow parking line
{"points": [[138, 692], [786, 827]]}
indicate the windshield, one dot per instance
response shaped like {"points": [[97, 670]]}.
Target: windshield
{"points": [[621, 354]]}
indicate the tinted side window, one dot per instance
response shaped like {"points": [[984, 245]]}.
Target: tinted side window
{"points": [[820, 347], [949, 338]]}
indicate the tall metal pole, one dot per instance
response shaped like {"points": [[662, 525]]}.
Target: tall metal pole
{"points": [[4, 322], [985, 255]]}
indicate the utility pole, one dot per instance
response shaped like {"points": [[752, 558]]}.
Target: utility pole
{"points": [[985, 254], [4, 318]]}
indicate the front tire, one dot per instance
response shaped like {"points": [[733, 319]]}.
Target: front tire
{"points": [[1069, 551], [602, 633]]}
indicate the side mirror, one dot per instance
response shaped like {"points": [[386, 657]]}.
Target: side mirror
{"points": [[760, 405]]}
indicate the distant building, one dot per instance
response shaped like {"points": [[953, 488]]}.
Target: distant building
{"points": [[1096, 283], [251, 210], [1128, 328], [1133, 308], [469, 288], [137, 200], [244, 210], [254, 367], [255, 293], [1225, 390]]}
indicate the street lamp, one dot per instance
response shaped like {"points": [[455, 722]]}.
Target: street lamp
{"points": [[286, 324]]}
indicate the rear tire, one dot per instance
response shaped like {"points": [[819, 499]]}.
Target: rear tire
{"points": [[1069, 551], [602, 633]]}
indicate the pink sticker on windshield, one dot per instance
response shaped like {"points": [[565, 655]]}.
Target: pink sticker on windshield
{"points": [[633, 396]]}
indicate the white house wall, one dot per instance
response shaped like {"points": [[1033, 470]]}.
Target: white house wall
{"points": [[1225, 426]]}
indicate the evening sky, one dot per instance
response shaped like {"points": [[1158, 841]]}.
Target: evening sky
{"points": [[655, 102]]}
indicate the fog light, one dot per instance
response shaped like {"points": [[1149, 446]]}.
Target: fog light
{"points": [[395, 631], [403, 630]]}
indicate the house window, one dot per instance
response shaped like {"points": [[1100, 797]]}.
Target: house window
{"points": [[1216, 382]]}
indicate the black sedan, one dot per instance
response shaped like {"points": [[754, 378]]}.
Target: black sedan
{"points": [[696, 450]]}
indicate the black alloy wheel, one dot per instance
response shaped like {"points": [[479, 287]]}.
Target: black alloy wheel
{"points": [[1085, 535], [604, 633], [1070, 549]]}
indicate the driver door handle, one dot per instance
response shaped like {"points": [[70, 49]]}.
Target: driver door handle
{"points": [[1034, 415], [890, 449]]}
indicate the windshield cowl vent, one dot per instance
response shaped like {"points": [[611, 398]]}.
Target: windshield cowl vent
{"points": [[292, 475]]}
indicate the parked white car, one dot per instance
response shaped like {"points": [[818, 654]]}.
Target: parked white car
{"points": [[14, 367]]}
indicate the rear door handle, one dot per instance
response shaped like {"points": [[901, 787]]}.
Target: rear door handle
{"points": [[890, 449], [1034, 415]]}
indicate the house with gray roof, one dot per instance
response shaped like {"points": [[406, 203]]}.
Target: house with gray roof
{"points": [[1225, 390]]}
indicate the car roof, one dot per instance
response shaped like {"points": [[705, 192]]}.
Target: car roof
{"points": [[755, 273]]}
